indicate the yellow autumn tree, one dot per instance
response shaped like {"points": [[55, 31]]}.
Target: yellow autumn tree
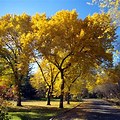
{"points": [[15, 48], [64, 39], [112, 7], [49, 74], [76, 74]]}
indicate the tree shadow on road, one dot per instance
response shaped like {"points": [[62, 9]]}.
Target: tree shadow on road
{"points": [[92, 111]]}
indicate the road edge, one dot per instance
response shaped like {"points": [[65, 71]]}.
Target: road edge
{"points": [[64, 112]]}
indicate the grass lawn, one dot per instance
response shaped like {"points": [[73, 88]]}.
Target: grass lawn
{"points": [[37, 110]]}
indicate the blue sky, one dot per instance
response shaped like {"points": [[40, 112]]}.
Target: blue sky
{"points": [[50, 7]]}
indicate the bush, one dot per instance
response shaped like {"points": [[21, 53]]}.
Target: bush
{"points": [[5, 94], [3, 109]]}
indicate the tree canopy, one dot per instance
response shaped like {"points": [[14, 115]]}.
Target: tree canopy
{"points": [[65, 41], [15, 34]]}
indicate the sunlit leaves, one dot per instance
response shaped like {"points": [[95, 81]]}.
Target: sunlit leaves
{"points": [[62, 43], [15, 38], [112, 7]]}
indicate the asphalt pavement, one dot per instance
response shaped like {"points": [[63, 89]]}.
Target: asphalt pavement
{"points": [[92, 109]]}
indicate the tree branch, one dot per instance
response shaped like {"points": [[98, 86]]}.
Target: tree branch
{"points": [[41, 71], [65, 59]]}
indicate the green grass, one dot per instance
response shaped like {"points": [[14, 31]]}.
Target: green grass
{"points": [[37, 110]]}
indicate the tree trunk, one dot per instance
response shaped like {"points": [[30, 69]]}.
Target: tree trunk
{"points": [[19, 95], [62, 90], [68, 97], [48, 96], [19, 101], [18, 90], [119, 84]]}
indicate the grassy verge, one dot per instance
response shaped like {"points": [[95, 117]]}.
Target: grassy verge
{"points": [[37, 110], [114, 101]]}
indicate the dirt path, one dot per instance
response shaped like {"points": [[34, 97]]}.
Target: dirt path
{"points": [[92, 109]]}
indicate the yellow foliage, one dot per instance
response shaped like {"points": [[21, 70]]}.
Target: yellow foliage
{"points": [[63, 40], [15, 38]]}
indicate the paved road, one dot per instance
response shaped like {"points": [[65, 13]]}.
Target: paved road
{"points": [[92, 109]]}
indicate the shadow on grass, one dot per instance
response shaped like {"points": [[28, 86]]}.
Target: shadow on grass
{"points": [[30, 116], [29, 112]]}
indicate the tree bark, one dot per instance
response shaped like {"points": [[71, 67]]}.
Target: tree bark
{"points": [[68, 97], [119, 84], [62, 90], [19, 95], [48, 96]]}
